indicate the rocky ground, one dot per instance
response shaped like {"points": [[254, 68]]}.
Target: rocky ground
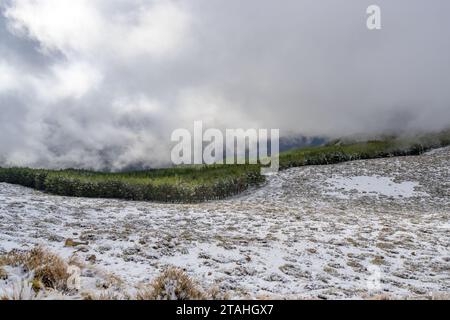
{"points": [[351, 230]]}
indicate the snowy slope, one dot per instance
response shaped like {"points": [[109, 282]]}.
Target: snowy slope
{"points": [[338, 231]]}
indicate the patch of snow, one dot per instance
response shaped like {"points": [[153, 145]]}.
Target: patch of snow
{"points": [[437, 151], [445, 226], [373, 185]]}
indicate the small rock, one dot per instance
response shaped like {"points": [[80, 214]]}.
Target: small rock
{"points": [[105, 248], [72, 243], [274, 277], [204, 255], [55, 238], [131, 251], [83, 249], [87, 236], [92, 258]]}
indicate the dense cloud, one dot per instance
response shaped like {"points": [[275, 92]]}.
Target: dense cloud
{"points": [[100, 83]]}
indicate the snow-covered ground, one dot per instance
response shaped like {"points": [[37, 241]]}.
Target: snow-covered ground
{"points": [[376, 185], [340, 231]]}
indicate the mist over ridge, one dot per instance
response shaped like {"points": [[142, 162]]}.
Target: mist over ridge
{"points": [[102, 84]]}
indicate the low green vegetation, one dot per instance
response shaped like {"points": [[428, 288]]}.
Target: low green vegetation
{"points": [[202, 183], [167, 185], [347, 150]]}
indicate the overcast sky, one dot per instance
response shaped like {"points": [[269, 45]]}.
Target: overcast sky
{"points": [[94, 83]]}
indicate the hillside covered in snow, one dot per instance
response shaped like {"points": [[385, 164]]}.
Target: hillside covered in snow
{"points": [[351, 230]]}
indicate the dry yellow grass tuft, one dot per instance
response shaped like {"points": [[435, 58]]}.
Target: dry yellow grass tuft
{"points": [[105, 296], [173, 284], [217, 294], [50, 271], [3, 274]]}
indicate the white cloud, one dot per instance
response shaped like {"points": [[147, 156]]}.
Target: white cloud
{"points": [[67, 80], [8, 79], [102, 83], [159, 29], [138, 105], [213, 109], [82, 29], [64, 25]]}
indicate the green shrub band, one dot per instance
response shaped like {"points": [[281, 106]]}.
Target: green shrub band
{"points": [[67, 183], [198, 184], [332, 154], [343, 154]]}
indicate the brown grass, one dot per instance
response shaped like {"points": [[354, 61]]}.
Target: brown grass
{"points": [[378, 261], [3, 274], [173, 284], [105, 296], [50, 271]]}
